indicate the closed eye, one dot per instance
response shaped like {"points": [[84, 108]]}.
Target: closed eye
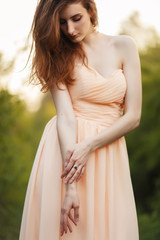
{"points": [[62, 21], [76, 20]]}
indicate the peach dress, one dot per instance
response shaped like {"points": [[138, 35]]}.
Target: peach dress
{"points": [[107, 205]]}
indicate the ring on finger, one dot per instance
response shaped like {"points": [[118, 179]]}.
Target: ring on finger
{"points": [[75, 175], [75, 167], [71, 174]]}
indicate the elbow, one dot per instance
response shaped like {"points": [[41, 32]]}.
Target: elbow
{"points": [[134, 121]]}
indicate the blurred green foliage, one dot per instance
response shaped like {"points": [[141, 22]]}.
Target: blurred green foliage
{"points": [[20, 133], [144, 151]]}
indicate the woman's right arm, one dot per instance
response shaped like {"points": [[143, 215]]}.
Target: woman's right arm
{"points": [[66, 124], [67, 131]]}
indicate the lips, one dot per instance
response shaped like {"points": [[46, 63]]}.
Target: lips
{"points": [[74, 36]]}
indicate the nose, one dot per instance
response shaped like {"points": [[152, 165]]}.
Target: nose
{"points": [[70, 28]]}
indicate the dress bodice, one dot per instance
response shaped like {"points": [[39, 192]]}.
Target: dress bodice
{"points": [[97, 98]]}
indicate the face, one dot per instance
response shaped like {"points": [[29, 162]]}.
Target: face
{"points": [[75, 22]]}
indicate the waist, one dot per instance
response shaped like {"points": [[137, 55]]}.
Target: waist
{"points": [[104, 120]]}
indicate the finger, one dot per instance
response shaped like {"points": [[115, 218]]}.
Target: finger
{"points": [[61, 223], [69, 227], [73, 174], [69, 176], [76, 174], [76, 213], [68, 156], [65, 172], [65, 222], [62, 230], [80, 174], [68, 168], [72, 219]]}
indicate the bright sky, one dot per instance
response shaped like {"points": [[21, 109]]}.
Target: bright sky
{"points": [[16, 18]]}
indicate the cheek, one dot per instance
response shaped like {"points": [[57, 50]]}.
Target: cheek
{"points": [[84, 24]]}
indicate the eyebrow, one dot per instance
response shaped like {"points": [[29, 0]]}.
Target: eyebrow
{"points": [[72, 16]]}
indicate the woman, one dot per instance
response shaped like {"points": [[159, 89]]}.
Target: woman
{"points": [[92, 77]]}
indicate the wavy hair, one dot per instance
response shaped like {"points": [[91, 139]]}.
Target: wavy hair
{"points": [[54, 54]]}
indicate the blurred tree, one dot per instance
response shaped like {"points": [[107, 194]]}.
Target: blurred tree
{"points": [[16, 152], [20, 134], [143, 147], [144, 35], [5, 67]]}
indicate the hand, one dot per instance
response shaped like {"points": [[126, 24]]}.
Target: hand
{"points": [[77, 156], [70, 201]]}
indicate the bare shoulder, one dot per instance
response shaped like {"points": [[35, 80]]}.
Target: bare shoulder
{"points": [[126, 45], [121, 41], [122, 48], [124, 40]]}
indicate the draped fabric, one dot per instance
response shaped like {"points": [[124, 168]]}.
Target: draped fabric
{"points": [[107, 205]]}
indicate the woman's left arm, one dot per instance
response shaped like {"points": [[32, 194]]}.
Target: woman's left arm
{"points": [[133, 99], [126, 123]]}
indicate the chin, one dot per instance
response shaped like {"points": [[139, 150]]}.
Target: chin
{"points": [[78, 39]]}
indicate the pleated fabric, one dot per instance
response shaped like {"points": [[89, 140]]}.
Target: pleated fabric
{"points": [[107, 205]]}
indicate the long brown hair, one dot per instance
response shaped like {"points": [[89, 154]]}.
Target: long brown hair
{"points": [[54, 53]]}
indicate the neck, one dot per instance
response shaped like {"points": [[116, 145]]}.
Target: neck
{"points": [[91, 37]]}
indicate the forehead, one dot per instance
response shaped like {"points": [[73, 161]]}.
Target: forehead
{"points": [[72, 9]]}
